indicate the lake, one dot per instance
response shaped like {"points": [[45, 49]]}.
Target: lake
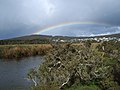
{"points": [[13, 73]]}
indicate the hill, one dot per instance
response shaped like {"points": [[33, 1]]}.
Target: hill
{"points": [[112, 35], [43, 39]]}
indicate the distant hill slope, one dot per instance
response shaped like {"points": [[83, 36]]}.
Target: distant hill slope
{"points": [[31, 37], [112, 35], [45, 37]]}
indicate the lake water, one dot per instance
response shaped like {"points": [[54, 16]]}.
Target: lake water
{"points": [[13, 73]]}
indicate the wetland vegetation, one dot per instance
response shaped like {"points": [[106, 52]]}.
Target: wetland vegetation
{"points": [[20, 51]]}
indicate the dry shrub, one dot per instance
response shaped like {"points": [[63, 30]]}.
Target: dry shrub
{"points": [[67, 65]]}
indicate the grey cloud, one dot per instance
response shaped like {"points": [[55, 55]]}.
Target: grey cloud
{"points": [[28, 16]]}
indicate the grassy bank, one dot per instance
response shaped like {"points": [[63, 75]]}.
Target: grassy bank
{"points": [[20, 51]]}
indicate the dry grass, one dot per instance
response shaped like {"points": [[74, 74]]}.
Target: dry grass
{"points": [[19, 51], [25, 50]]}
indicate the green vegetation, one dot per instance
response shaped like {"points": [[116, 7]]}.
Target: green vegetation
{"points": [[12, 42], [79, 67], [84, 87], [20, 51]]}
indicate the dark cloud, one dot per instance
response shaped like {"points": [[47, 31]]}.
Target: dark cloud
{"points": [[21, 17]]}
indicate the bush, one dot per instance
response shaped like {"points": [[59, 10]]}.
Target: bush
{"points": [[68, 65]]}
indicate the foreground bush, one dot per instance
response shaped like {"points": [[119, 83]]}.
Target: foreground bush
{"points": [[69, 65]]}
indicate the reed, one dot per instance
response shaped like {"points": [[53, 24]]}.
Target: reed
{"points": [[20, 51]]}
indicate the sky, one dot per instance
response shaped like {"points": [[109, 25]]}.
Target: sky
{"points": [[26, 17]]}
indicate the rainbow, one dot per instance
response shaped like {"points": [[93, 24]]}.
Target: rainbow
{"points": [[68, 24]]}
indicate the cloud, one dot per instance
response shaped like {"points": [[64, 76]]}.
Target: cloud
{"points": [[83, 30], [49, 7], [114, 30], [31, 15]]}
